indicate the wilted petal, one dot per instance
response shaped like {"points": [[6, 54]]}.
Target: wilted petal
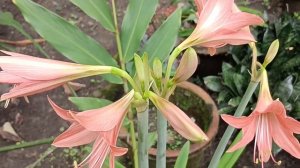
{"points": [[105, 118], [75, 135], [178, 119]]}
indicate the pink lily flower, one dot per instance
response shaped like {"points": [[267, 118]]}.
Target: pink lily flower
{"points": [[220, 22], [100, 126], [31, 75], [178, 119], [268, 122]]}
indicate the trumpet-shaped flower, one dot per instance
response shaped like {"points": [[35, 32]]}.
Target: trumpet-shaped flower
{"points": [[267, 123], [33, 75], [103, 130], [220, 22], [178, 119]]}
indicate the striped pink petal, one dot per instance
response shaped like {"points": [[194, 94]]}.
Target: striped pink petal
{"points": [[105, 118], [178, 119]]}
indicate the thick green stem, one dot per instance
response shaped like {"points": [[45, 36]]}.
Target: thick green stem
{"points": [[143, 138], [161, 140], [229, 131], [27, 144]]}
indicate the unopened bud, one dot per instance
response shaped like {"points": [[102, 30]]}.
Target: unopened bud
{"points": [[273, 49], [157, 68], [187, 66], [139, 66]]}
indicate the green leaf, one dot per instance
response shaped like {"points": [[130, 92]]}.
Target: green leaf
{"points": [[224, 96], [234, 102], [152, 138], [65, 37], [88, 103], [285, 89], [183, 156], [164, 38], [7, 19], [137, 17], [117, 164], [228, 160], [98, 10], [213, 83]]}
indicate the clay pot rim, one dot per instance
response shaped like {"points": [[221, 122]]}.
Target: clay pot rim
{"points": [[213, 128]]}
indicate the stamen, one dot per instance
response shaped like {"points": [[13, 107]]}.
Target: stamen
{"points": [[6, 103], [255, 142], [26, 99]]}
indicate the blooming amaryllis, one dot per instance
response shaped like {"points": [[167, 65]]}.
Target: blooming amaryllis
{"points": [[31, 75], [220, 22], [102, 131], [267, 123]]}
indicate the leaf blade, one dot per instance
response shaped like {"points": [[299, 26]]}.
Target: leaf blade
{"points": [[163, 40], [98, 10], [183, 156], [138, 16], [46, 23]]}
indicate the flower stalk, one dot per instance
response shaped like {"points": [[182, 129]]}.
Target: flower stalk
{"points": [[229, 131], [143, 123], [161, 140]]}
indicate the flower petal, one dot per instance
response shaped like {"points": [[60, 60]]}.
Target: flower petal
{"points": [[291, 123], [248, 135], [200, 4], [75, 135], [99, 152], [105, 118], [187, 67], [214, 13], [178, 119], [64, 114], [9, 78], [284, 138], [237, 122]]}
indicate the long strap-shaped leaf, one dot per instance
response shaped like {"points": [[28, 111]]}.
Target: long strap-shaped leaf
{"points": [[64, 36], [98, 10], [138, 16], [164, 38]]}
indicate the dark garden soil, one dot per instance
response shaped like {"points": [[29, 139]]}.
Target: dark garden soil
{"points": [[37, 120]]}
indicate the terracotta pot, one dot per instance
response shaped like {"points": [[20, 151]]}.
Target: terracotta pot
{"points": [[196, 149]]}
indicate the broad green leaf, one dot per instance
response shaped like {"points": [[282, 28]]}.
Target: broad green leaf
{"points": [[229, 159], [285, 89], [63, 36], [164, 38], [98, 10], [213, 83], [88, 103], [152, 138], [183, 156], [7, 19], [234, 102], [137, 17]]}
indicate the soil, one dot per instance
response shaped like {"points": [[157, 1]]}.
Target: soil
{"points": [[37, 120]]}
